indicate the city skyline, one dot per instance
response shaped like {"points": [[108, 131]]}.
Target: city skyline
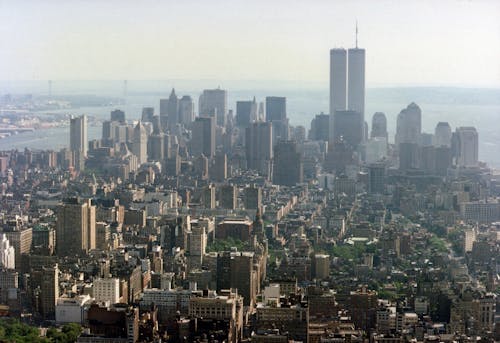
{"points": [[86, 41]]}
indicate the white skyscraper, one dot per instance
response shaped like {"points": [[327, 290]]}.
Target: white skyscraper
{"points": [[7, 253], [78, 135], [140, 143]]}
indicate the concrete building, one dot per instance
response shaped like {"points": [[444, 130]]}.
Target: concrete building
{"points": [[186, 110], [7, 253], [287, 167], [21, 238], [259, 147], [75, 227], [320, 128], [228, 197], [321, 266], [409, 125], [203, 137], [227, 306], [253, 197], [356, 81], [213, 103], [45, 283], [246, 112], [106, 290], [275, 108], [379, 125], [349, 127], [466, 147], [442, 135], [78, 138], [140, 143], [338, 85], [72, 310]]}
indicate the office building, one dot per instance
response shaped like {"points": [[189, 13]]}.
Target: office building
{"points": [[275, 108], [203, 137], [356, 81], [140, 143], [338, 82], [46, 279], [75, 227], [379, 125], [409, 156], [172, 110], [147, 114], [259, 147], [213, 103], [246, 112], [218, 169], [409, 125], [186, 110], [320, 128], [348, 127], [347, 85], [287, 167], [228, 197], [442, 135], [106, 290], [78, 135], [118, 116], [156, 143], [21, 238], [7, 253], [253, 197], [376, 178], [466, 146]]}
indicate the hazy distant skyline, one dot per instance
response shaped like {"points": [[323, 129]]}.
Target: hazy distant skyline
{"points": [[446, 42]]}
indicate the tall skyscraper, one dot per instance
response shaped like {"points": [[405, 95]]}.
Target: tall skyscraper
{"points": [[349, 127], [75, 227], [213, 103], [347, 84], [442, 135], [246, 112], [186, 110], [118, 115], [259, 147], [288, 168], [379, 125], [147, 114], [320, 130], [203, 137], [155, 142], [173, 109], [140, 143], [466, 146], [338, 84], [164, 114], [356, 81], [275, 108], [409, 125], [78, 135]]}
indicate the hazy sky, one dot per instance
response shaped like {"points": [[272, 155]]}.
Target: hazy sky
{"points": [[450, 42]]}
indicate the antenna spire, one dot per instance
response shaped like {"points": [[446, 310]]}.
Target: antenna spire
{"points": [[356, 33]]}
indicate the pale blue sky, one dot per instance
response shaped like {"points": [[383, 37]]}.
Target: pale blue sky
{"points": [[445, 42]]}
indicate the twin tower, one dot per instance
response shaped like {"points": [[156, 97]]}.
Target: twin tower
{"points": [[347, 89]]}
